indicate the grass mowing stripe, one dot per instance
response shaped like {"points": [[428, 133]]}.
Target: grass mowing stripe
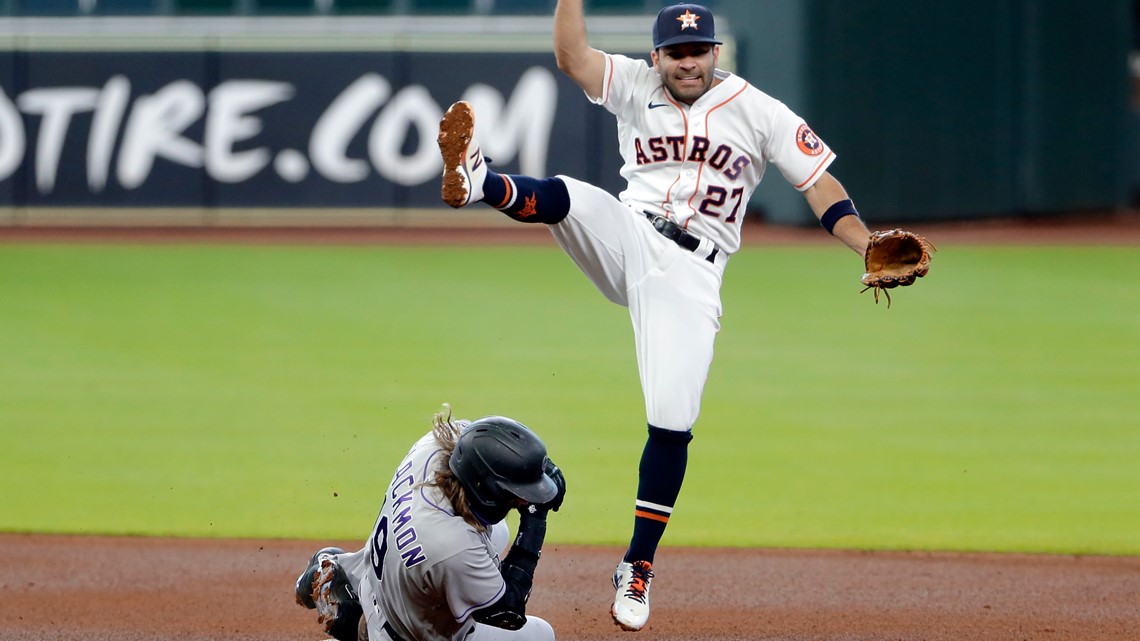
{"points": [[267, 391]]}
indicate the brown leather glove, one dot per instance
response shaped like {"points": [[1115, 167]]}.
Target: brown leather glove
{"points": [[895, 258]]}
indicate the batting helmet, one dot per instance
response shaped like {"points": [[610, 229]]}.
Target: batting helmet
{"points": [[498, 460]]}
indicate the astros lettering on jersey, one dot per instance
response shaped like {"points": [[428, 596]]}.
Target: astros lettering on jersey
{"points": [[707, 158]]}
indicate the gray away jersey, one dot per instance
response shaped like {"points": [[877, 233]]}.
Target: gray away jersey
{"points": [[426, 569]]}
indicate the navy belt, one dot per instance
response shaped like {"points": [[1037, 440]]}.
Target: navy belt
{"points": [[677, 234]]}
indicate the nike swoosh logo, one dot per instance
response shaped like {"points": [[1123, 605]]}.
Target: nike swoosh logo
{"points": [[654, 105]]}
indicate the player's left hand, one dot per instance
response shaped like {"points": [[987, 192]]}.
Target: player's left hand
{"points": [[895, 258]]}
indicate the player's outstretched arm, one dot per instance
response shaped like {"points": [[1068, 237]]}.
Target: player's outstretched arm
{"points": [[576, 58], [825, 193]]}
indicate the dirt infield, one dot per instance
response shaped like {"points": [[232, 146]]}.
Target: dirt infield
{"points": [[55, 588]]}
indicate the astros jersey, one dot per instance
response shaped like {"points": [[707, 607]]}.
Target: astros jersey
{"points": [[698, 165], [429, 569]]}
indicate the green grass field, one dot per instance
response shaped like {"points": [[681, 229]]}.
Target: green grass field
{"points": [[269, 391]]}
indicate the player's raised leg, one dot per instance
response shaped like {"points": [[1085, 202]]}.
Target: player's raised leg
{"points": [[467, 179]]}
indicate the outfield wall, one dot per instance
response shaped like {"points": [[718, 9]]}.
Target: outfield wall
{"points": [[934, 114], [176, 121], [968, 109]]}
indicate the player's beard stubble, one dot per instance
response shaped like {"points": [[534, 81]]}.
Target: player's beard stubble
{"points": [[687, 87]]}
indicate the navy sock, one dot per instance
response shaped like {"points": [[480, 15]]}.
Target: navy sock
{"points": [[660, 475], [526, 199]]}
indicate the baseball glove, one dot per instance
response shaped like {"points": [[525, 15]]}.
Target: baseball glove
{"points": [[895, 258]]}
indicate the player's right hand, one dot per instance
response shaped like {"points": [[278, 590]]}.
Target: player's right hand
{"points": [[555, 475]]}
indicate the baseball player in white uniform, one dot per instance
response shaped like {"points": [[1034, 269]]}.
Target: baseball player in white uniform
{"points": [[696, 141], [430, 570]]}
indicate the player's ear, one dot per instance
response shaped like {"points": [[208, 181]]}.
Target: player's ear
{"points": [[655, 59]]}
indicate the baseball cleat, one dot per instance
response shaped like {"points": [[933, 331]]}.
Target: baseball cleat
{"points": [[464, 167], [631, 603]]}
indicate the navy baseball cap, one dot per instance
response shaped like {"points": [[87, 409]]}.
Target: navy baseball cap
{"points": [[682, 23]]}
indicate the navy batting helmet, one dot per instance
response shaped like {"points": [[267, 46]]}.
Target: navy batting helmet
{"points": [[498, 460]]}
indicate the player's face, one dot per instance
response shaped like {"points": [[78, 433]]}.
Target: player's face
{"points": [[687, 69]]}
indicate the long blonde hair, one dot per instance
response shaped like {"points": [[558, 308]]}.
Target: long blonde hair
{"points": [[446, 431]]}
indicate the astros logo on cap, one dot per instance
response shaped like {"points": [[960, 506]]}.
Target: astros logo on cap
{"points": [[688, 19], [683, 23]]}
